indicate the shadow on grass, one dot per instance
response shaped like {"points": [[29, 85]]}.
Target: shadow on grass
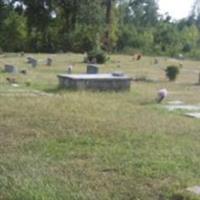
{"points": [[59, 89], [149, 102]]}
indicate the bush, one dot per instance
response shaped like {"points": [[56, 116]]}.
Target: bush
{"points": [[98, 55], [172, 72]]}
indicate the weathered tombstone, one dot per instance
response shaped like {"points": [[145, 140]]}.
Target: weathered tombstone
{"points": [[180, 56], [155, 61], [69, 69], [22, 54], [32, 61], [49, 61], [92, 69], [29, 59], [10, 68]]}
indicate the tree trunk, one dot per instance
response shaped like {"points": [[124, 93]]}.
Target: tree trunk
{"points": [[108, 24]]}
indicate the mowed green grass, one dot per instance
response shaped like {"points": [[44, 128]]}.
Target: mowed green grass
{"points": [[98, 145]]}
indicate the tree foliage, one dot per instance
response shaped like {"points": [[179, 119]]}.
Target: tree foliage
{"points": [[85, 25]]}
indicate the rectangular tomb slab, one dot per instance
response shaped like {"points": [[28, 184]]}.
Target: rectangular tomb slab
{"points": [[95, 81]]}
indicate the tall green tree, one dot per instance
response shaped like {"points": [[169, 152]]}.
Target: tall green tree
{"points": [[143, 12]]}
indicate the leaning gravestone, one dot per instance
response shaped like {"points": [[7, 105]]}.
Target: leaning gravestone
{"points": [[10, 69], [49, 61], [32, 61]]}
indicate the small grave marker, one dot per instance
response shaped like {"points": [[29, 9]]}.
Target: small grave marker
{"points": [[49, 61], [69, 69], [10, 68]]}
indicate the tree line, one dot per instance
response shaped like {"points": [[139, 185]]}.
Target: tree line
{"points": [[84, 25]]}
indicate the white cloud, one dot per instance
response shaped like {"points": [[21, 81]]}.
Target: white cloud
{"points": [[177, 9]]}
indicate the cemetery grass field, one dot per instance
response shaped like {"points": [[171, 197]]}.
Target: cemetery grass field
{"points": [[60, 144]]}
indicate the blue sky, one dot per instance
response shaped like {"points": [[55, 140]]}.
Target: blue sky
{"points": [[176, 8]]}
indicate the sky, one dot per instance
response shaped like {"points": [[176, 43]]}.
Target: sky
{"points": [[177, 9]]}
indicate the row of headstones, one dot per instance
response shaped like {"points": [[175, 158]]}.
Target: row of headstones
{"points": [[94, 69], [12, 69], [91, 69], [34, 62]]}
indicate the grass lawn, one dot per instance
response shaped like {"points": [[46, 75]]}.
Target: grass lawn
{"points": [[87, 145]]}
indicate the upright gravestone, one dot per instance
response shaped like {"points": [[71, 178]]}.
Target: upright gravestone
{"points": [[69, 69], [92, 69], [22, 54], [49, 61], [32, 61], [10, 69]]}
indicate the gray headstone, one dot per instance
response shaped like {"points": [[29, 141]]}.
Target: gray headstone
{"points": [[49, 61], [10, 68], [92, 69], [155, 61], [32, 61], [69, 69], [22, 54]]}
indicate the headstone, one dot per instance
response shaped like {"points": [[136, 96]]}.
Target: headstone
{"points": [[10, 68], [49, 61], [69, 69], [92, 69], [155, 61], [32, 61], [22, 54]]}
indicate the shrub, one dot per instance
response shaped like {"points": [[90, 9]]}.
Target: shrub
{"points": [[172, 72], [98, 55]]}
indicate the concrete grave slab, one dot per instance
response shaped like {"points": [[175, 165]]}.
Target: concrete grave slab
{"points": [[183, 107], [177, 102], [193, 115], [95, 81], [194, 189]]}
